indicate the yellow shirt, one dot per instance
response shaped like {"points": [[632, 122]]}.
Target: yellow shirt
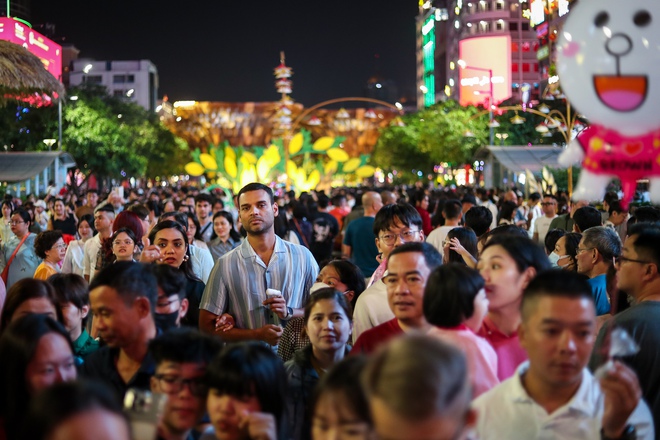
{"points": [[44, 270]]}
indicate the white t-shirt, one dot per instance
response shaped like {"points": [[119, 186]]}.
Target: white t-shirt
{"points": [[541, 226], [371, 309], [92, 248], [438, 235]]}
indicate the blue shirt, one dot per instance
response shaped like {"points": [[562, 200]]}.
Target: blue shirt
{"points": [[239, 280], [599, 292], [360, 237]]}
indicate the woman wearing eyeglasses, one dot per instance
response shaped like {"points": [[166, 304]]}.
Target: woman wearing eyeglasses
{"points": [[17, 256], [50, 246]]}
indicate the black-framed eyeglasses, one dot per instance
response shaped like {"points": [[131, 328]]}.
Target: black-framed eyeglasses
{"points": [[390, 237], [173, 384], [15, 223], [621, 259]]}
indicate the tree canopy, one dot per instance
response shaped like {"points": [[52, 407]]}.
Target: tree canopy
{"points": [[432, 136], [106, 135]]}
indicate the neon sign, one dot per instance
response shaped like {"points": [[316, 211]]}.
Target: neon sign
{"points": [[49, 52]]}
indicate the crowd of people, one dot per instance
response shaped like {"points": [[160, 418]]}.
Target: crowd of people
{"points": [[371, 313]]}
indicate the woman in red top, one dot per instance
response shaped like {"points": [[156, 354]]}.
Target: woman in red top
{"points": [[507, 264], [422, 205]]}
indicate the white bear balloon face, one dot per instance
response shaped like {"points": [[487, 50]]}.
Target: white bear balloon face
{"points": [[609, 63]]}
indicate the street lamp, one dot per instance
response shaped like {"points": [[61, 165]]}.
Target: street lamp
{"points": [[49, 142], [502, 137], [463, 65]]}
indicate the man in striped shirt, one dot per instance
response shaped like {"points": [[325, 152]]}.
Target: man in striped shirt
{"points": [[240, 278]]}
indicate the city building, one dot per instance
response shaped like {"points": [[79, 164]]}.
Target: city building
{"points": [[136, 81], [492, 39], [547, 18]]}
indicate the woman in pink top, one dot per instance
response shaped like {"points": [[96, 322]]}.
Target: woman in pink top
{"points": [[455, 303], [507, 264]]}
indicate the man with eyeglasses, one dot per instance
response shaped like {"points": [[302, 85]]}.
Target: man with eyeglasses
{"points": [[596, 252], [408, 269], [181, 356], [393, 226], [541, 225], [639, 276]]}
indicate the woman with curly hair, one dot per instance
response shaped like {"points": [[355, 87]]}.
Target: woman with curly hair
{"points": [[50, 247]]}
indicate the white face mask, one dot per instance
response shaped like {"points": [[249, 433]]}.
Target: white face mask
{"points": [[554, 259], [351, 202], [316, 286]]}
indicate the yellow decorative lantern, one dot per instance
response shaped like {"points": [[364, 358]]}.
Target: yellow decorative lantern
{"points": [[323, 143], [208, 161], [194, 169], [296, 143], [338, 154]]}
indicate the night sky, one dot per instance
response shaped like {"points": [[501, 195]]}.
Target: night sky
{"points": [[225, 50]]}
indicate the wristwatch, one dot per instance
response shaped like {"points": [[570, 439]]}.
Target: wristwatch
{"points": [[629, 433], [289, 313]]}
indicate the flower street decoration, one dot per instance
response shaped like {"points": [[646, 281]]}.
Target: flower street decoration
{"points": [[309, 162]]}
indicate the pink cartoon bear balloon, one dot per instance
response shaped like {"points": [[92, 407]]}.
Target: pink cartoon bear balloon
{"points": [[609, 67]]}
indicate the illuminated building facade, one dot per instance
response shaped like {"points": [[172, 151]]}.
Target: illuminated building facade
{"points": [[135, 81], [488, 35], [546, 18]]}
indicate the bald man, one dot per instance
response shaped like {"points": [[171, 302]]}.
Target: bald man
{"points": [[359, 244]]}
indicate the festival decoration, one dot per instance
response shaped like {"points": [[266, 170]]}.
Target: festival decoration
{"points": [[608, 55], [309, 163]]}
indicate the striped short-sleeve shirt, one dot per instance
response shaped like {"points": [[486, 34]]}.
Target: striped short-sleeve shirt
{"points": [[239, 280]]}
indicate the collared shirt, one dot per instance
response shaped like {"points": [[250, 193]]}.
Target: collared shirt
{"points": [[509, 352], [101, 366], [84, 345], [508, 412], [218, 248], [239, 280], [201, 262], [25, 262]]}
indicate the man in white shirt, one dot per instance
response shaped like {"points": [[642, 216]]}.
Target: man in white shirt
{"points": [[452, 212], [104, 217], [553, 395], [542, 224], [484, 200]]}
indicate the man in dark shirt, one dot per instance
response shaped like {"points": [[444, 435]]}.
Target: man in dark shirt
{"points": [[325, 229], [123, 297], [639, 276]]}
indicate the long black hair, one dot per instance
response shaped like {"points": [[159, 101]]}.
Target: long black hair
{"points": [[233, 233], [449, 294], [252, 369], [186, 266], [18, 346]]}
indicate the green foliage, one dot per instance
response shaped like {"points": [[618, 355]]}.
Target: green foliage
{"points": [[430, 137], [114, 138], [24, 128], [100, 141]]}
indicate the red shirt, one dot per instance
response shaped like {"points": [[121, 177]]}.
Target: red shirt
{"points": [[426, 220], [369, 341], [509, 352]]}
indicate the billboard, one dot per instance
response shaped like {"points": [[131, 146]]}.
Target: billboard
{"points": [[481, 54], [47, 50]]}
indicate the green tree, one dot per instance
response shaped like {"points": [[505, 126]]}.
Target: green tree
{"points": [[24, 127], [430, 137], [115, 139]]}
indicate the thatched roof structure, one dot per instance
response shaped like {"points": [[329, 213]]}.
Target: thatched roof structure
{"points": [[24, 77]]}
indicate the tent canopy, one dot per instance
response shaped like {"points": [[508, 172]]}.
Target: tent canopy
{"points": [[20, 166], [520, 158]]}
